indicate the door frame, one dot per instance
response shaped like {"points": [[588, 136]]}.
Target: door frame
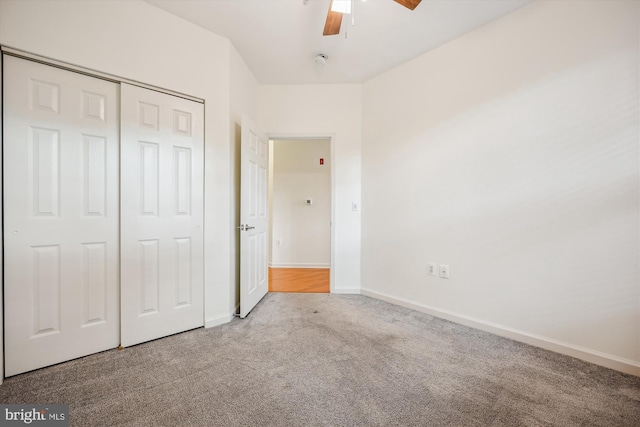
{"points": [[307, 137]]}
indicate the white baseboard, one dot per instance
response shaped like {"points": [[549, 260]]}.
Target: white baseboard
{"points": [[588, 355], [294, 265], [211, 322], [346, 291]]}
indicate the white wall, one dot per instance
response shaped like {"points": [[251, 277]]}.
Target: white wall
{"points": [[138, 41], [326, 110], [511, 154], [244, 93], [303, 231]]}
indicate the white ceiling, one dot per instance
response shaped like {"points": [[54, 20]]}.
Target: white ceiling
{"points": [[279, 39]]}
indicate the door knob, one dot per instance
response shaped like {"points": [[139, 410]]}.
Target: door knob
{"points": [[249, 227]]}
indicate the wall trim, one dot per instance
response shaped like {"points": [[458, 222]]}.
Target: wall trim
{"points": [[217, 321], [346, 291], [592, 356], [301, 265]]}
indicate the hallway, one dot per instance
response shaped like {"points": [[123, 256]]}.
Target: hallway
{"points": [[308, 280]]}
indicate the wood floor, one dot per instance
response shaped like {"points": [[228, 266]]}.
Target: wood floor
{"points": [[310, 280]]}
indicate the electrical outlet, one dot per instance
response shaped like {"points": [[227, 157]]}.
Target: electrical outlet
{"points": [[432, 268], [444, 271], [278, 242]]}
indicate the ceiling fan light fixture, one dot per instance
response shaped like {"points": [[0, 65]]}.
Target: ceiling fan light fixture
{"points": [[341, 6]]}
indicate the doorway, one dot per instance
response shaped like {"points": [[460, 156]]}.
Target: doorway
{"points": [[300, 203]]}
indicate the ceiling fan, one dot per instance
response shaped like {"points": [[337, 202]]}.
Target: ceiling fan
{"points": [[334, 17]]}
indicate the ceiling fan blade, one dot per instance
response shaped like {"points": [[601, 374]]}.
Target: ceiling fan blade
{"points": [[409, 4], [332, 24]]}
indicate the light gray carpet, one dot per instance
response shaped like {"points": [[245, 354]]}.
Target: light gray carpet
{"points": [[335, 360]]}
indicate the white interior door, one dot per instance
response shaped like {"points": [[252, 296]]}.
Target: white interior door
{"points": [[254, 189], [162, 212], [61, 215]]}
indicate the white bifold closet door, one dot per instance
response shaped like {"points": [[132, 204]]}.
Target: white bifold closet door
{"points": [[103, 219], [162, 212], [60, 215]]}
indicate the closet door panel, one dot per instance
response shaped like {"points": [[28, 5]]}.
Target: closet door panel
{"points": [[162, 212], [61, 208]]}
